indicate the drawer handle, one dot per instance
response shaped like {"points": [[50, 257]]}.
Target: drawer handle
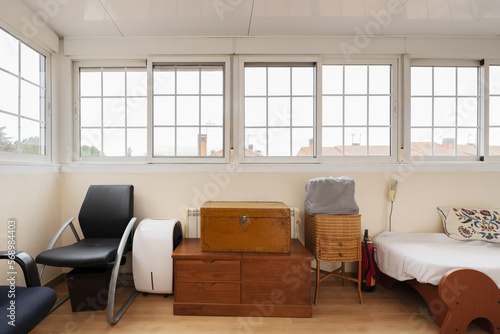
{"points": [[341, 244], [341, 255], [208, 261]]}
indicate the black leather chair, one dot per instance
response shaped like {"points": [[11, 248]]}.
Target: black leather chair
{"points": [[107, 222], [31, 303]]}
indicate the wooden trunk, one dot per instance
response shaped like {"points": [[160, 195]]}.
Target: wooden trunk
{"points": [[245, 227]]}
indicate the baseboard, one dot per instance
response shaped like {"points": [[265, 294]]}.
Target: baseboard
{"points": [[55, 281]]}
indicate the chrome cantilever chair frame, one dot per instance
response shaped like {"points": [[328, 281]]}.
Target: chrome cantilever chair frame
{"points": [[129, 231]]}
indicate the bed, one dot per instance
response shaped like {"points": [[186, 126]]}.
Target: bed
{"points": [[459, 280]]}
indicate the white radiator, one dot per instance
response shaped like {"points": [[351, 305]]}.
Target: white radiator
{"points": [[193, 222]]}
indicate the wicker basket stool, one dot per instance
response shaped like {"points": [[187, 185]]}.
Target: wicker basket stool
{"points": [[334, 238]]}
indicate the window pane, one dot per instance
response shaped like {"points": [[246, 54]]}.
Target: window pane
{"points": [[467, 111], [379, 141], [215, 140], [212, 80], [164, 81], [302, 80], [494, 80], [355, 141], [9, 57], [444, 142], [164, 142], [9, 92], [278, 80], [279, 111], [137, 111], [90, 83], [188, 110], [380, 79], [30, 137], [212, 110], [380, 110], [303, 142], [444, 111], [30, 64], [444, 81], [188, 141], [114, 112], [137, 83], [467, 142], [90, 142], [9, 132], [421, 142], [332, 141], [164, 110], [255, 111], [255, 81], [421, 111], [495, 110], [279, 142], [421, 81], [302, 111], [355, 110], [333, 79], [114, 142], [356, 79], [30, 100], [255, 142], [90, 111], [188, 79], [113, 83], [332, 110], [467, 81], [137, 142], [494, 142]]}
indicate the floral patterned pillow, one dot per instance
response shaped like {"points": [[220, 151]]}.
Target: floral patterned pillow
{"points": [[471, 224]]}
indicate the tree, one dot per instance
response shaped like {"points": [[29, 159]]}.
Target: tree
{"points": [[6, 144], [89, 151]]}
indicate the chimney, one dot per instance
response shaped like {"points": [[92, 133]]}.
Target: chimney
{"points": [[250, 147], [311, 145], [202, 145], [449, 142]]}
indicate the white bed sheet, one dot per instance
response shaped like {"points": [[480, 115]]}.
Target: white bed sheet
{"points": [[426, 257]]}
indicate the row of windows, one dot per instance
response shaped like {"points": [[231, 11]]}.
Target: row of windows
{"points": [[298, 111]]}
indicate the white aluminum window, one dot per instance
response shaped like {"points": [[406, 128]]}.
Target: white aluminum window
{"points": [[113, 111], [23, 98], [357, 104], [494, 110], [445, 111], [279, 110], [188, 111]]}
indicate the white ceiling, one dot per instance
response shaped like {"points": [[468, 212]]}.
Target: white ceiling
{"points": [[88, 18]]}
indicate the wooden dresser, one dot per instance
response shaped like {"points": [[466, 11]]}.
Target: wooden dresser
{"points": [[242, 284]]}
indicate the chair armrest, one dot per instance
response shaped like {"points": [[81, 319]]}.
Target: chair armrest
{"points": [[58, 234], [27, 264]]}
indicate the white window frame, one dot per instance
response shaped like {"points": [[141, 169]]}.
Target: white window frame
{"points": [[28, 157], [394, 126], [486, 109], [239, 131], [194, 60], [76, 107], [433, 62]]}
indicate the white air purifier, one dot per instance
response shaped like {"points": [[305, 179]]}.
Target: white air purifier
{"points": [[152, 263]]}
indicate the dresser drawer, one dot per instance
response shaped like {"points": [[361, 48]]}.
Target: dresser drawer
{"points": [[207, 271], [340, 255], [207, 292], [338, 244]]}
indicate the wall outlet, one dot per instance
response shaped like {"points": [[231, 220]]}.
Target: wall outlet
{"points": [[392, 191]]}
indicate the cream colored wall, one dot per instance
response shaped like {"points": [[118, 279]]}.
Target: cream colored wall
{"points": [[34, 201]]}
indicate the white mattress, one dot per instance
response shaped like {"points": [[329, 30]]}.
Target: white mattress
{"points": [[426, 257]]}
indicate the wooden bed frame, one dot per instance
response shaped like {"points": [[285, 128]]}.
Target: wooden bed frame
{"points": [[462, 296]]}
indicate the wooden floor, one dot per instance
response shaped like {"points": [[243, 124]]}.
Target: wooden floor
{"points": [[399, 310]]}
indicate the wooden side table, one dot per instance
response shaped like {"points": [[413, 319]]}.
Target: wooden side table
{"points": [[334, 238]]}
